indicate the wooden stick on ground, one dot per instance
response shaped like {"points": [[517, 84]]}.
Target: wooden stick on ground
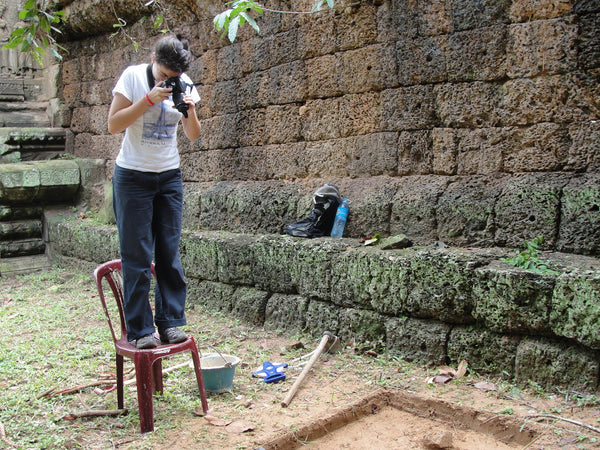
{"points": [[574, 422], [95, 413], [327, 336], [3, 437]]}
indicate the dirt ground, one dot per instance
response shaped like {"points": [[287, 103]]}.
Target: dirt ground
{"points": [[349, 400], [354, 402]]}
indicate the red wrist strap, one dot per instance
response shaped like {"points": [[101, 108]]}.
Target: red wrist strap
{"points": [[148, 100]]}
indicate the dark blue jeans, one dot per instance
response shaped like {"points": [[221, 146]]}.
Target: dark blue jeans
{"points": [[148, 208]]}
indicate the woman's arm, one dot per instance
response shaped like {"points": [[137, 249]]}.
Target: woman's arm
{"points": [[123, 113], [191, 125]]}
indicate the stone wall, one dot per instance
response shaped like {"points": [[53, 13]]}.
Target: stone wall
{"points": [[470, 123], [467, 123], [429, 305]]}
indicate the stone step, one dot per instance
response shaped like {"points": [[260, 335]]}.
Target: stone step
{"points": [[23, 264], [24, 114], [31, 143]]}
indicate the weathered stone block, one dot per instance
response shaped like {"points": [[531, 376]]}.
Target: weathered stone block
{"points": [[287, 83], [199, 256], [326, 159], [465, 211], [414, 205], [527, 10], [316, 37], [411, 108], [579, 230], [551, 363], [282, 124], [228, 61], [575, 308], [461, 105], [543, 147], [252, 129], [359, 114], [542, 47], [415, 153], [419, 341], [320, 317], [219, 98], [212, 165], [220, 132], [20, 229], [320, 119], [365, 328], [468, 15], [372, 279], [356, 28], [511, 300], [584, 153], [213, 296], [527, 207], [370, 199], [559, 99], [322, 77], [484, 351], [370, 68], [250, 305], [371, 155], [588, 52], [21, 247], [481, 151], [445, 151], [422, 60], [479, 54], [286, 312], [85, 240], [440, 286]]}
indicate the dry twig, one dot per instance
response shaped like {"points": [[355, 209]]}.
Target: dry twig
{"points": [[574, 422], [3, 437]]}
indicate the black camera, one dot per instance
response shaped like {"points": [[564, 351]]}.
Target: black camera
{"points": [[178, 87]]}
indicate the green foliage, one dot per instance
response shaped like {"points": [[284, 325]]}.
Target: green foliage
{"points": [[231, 20], [36, 35], [528, 259]]}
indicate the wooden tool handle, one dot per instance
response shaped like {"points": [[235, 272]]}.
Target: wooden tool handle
{"points": [[311, 362]]}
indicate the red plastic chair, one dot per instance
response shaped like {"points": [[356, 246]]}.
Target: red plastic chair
{"points": [[148, 362]]}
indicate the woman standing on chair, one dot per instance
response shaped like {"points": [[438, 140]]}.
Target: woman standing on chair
{"points": [[148, 190]]}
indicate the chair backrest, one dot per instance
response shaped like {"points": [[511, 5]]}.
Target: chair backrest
{"points": [[110, 272]]}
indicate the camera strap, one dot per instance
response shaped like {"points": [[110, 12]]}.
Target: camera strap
{"points": [[150, 76]]}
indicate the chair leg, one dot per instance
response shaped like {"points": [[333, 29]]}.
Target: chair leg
{"points": [[120, 401], [200, 380], [158, 378], [145, 392]]}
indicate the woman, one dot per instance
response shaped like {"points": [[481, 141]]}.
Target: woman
{"points": [[148, 190]]}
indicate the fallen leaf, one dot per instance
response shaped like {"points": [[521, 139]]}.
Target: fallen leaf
{"points": [[216, 421], [485, 386], [445, 370], [440, 379], [240, 426], [462, 369]]}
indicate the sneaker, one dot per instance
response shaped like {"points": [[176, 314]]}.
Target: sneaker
{"points": [[172, 335], [147, 341]]}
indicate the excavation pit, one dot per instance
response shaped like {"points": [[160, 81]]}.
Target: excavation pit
{"points": [[382, 418]]}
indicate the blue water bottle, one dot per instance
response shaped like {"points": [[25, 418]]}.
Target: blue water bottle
{"points": [[340, 219]]}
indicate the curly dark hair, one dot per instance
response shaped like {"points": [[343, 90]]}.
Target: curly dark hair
{"points": [[173, 53]]}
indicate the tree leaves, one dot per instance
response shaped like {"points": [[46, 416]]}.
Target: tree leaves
{"points": [[36, 35]]}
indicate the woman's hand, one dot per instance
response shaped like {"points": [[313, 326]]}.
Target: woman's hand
{"points": [[159, 94]]}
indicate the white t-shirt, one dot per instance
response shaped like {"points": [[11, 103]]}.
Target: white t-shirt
{"points": [[150, 143]]}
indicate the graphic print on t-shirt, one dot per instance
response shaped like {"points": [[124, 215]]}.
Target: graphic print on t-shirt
{"points": [[157, 127]]}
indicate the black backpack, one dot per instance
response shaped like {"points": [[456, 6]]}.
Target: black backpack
{"points": [[320, 221]]}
